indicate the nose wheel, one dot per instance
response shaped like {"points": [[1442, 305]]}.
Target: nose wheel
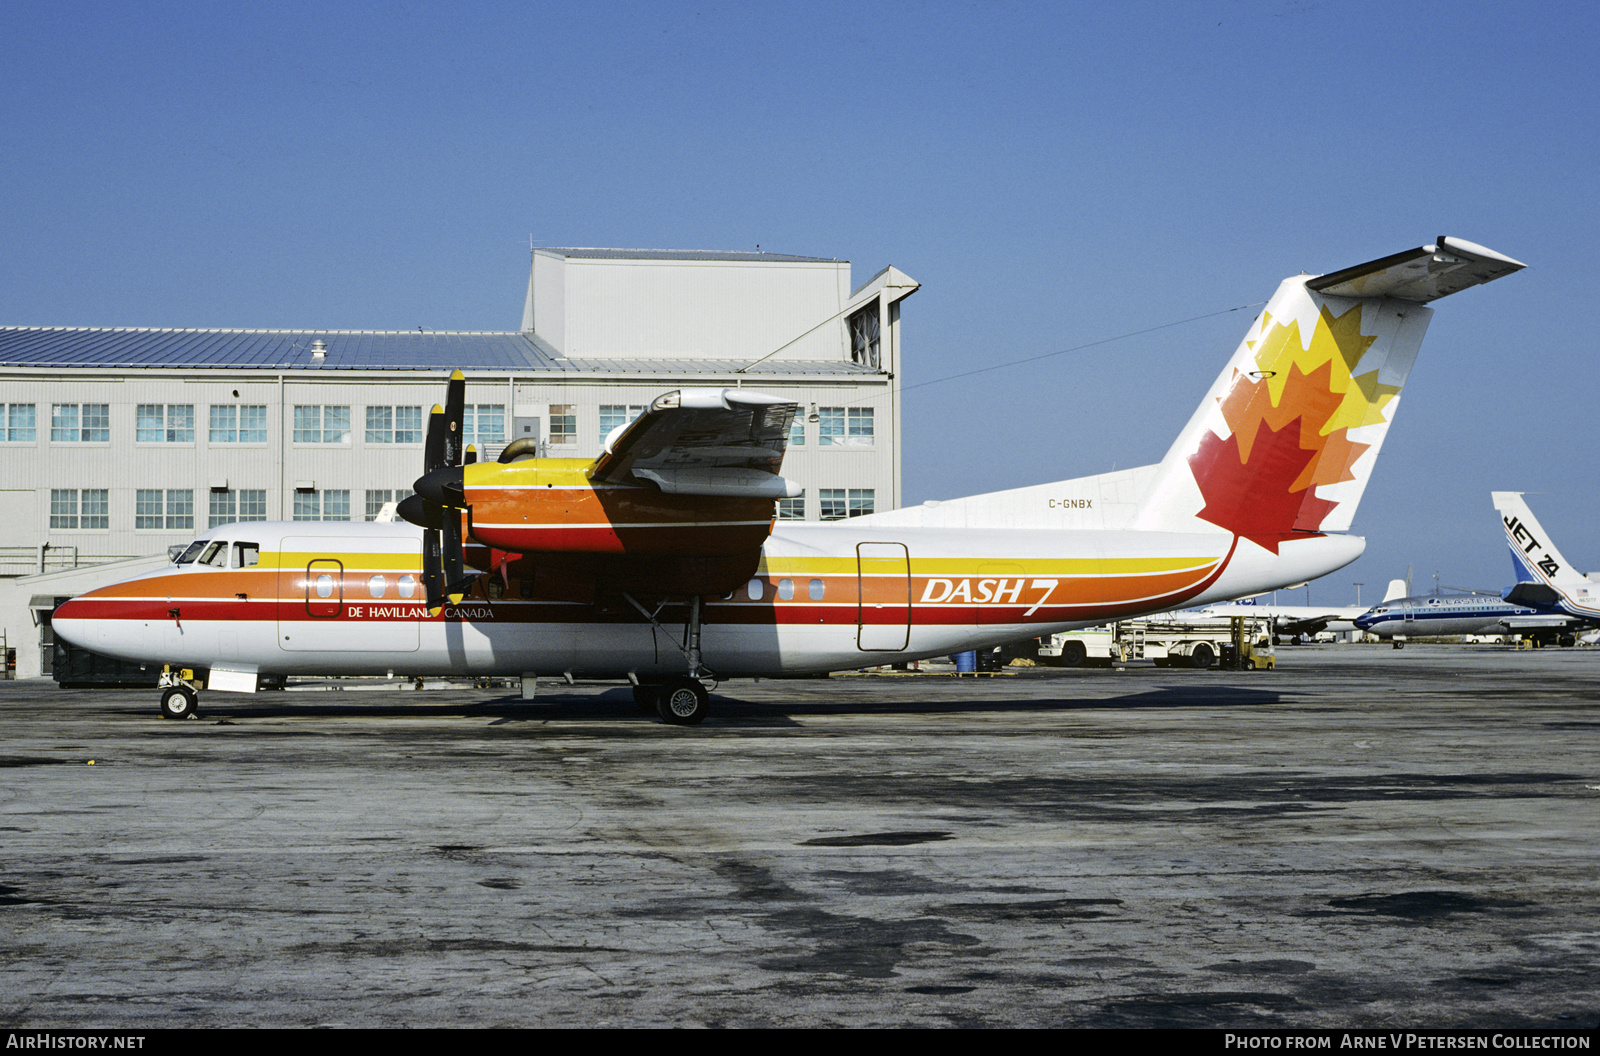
{"points": [[179, 702], [683, 702]]}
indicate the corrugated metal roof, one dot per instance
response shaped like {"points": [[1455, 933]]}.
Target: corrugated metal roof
{"points": [[583, 253], [136, 349], [710, 366]]}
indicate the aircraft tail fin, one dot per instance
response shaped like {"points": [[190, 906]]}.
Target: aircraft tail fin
{"points": [[1397, 589], [1534, 557], [1284, 443]]}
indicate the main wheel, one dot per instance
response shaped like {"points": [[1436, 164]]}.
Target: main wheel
{"points": [[179, 702], [683, 702], [1073, 654], [1203, 656], [647, 698]]}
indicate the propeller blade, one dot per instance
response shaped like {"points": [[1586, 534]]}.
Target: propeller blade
{"points": [[471, 456], [455, 404], [432, 573], [451, 545], [433, 447]]}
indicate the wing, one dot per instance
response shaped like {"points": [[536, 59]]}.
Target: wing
{"points": [[727, 442]]}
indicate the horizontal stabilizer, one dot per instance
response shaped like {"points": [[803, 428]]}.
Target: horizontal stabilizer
{"points": [[1423, 274], [1533, 595]]}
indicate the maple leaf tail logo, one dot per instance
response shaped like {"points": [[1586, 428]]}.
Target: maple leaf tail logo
{"points": [[1288, 430]]}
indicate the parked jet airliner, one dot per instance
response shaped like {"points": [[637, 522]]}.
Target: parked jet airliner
{"points": [[660, 561], [1546, 580]]}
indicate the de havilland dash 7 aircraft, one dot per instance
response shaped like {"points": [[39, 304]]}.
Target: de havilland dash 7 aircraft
{"points": [[660, 561]]}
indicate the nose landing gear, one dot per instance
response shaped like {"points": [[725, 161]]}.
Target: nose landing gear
{"points": [[180, 694]]}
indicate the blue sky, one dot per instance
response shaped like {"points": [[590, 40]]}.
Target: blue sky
{"points": [[1053, 174]]}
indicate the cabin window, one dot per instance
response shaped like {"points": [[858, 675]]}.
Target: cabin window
{"points": [[324, 586], [246, 555], [815, 589], [407, 586], [216, 555], [786, 589], [376, 586], [755, 590]]}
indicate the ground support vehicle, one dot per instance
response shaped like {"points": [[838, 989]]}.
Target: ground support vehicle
{"points": [[1241, 642]]}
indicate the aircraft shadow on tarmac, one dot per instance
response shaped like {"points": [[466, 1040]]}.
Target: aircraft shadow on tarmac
{"points": [[616, 705]]}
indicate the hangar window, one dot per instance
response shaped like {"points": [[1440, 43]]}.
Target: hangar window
{"points": [[865, 340], [483, 424], [839, 503], [321, 425], [238, 425], [846, 426], [80, 423], [19, 422], [169, 510], [563, 423], [171, 423], [330, 505], [377, 498], [249, 504], [792, 509], [394, 425], [615, 414], [71, 508], [797, 432]]}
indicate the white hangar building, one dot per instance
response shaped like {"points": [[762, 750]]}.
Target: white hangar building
{"points": [[120, 443]]}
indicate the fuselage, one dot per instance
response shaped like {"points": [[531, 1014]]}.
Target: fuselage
{"points": [[1441, 615], [329, 598]]}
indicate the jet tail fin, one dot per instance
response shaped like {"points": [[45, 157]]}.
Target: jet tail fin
{"points": [[1533, 555], [1397, 589], [1283, 445]]}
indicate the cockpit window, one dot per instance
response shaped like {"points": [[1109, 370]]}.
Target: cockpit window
{"points": [[216, 555], [246, 555], [192, 552]]}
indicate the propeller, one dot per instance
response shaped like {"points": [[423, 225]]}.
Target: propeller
{"points": [[440, 497]]}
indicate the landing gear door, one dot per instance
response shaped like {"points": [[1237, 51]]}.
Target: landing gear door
{"points": [[883, 613]]}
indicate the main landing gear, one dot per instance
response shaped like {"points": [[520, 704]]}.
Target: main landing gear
{"points": [[682, 700]]}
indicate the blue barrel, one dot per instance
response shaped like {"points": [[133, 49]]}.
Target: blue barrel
{"points": [[966, 663]]}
